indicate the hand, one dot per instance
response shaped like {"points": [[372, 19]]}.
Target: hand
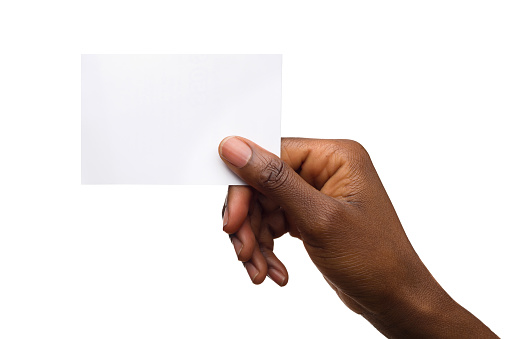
{"points": [[328, 194]]}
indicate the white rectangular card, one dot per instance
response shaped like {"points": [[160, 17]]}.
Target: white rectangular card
{"points": [[158, 119]]}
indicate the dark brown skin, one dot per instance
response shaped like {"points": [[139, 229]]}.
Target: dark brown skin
{"points": [[327, 194]]}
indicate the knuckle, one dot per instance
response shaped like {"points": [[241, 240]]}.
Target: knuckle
{"points": [[274, 174], [357, 148], [356, 152]]}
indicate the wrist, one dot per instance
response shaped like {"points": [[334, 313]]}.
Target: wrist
{"points": [[426, 310]]}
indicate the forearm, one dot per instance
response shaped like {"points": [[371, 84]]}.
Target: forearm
{"points": [[428, 312]]}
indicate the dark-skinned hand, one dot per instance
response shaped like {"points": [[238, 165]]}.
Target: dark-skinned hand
{"points": [[327, 193]]}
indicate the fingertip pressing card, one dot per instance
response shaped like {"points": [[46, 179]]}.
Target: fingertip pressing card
{"points": [[158, 119]]}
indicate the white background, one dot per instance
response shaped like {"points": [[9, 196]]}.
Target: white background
{"points": [[422, 85]]}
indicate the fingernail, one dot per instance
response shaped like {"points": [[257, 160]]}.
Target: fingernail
{"points": [[237, 245], [225, 217], [277, 276], [251, 270], [236, 151]]}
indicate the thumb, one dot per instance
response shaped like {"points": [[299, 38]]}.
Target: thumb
{"points": [[271, 176]]}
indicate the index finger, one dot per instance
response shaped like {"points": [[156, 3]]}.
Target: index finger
{"points": [[237, 207]]}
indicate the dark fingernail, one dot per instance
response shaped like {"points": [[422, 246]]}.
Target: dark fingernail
{"points": [[251, 270], [237, 245], [225, 218], [276, 276]]}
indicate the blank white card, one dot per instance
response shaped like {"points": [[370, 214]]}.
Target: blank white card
{"points": [[158, 119]]}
